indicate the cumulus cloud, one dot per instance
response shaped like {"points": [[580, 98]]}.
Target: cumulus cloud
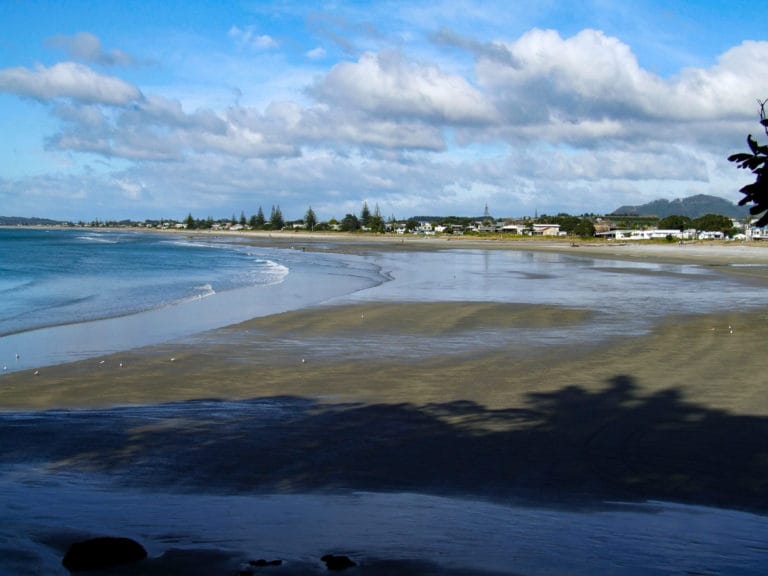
{"points": [[389, 86], [160, 129], [591, 86], [67, 80], [87, 47]]}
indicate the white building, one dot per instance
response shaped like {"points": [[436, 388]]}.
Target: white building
{"points": [[546, 229], [650, 234]]}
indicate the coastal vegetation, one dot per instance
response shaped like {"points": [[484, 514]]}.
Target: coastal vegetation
{"points": [[371, 221], [708, 223], [756, 160]]}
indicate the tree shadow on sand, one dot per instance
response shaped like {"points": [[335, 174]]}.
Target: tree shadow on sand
{"points": [[568, 446]]}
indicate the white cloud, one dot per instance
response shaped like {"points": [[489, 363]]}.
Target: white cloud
{"points": [[316, 53], [87, 47], [591, 86], [387, 85], [248, 37], [68, 80]]}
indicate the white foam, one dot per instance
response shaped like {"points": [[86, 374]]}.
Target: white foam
{"points": [[273, 271], [98, 238]]}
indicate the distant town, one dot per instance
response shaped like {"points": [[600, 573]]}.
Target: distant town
{"points": [[614, 226], [699, 217]]}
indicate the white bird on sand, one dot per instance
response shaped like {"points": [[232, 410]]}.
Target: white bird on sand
{"points": [[121, 364], [173, 359], [37, 372]]}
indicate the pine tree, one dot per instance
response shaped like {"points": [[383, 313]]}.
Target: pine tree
{"points": [[260, 220], [310, 220], [365, 216], [377, 221], [276, 218]]}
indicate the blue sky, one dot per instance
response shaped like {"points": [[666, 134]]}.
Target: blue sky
{"points": [[115, 110]]}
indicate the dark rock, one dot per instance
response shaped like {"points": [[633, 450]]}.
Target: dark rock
{"points": [[333, 562], [261, 563], [101, 553]]}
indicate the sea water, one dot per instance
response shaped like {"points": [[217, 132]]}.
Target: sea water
{"points": [[52, 277], [68, 294]]}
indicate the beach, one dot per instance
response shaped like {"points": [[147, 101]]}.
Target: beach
{"points": [[278, 405]]}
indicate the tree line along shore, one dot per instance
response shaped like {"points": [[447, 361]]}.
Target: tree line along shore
{"points": [[583, 226]]}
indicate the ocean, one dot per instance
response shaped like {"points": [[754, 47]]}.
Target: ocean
{"points": [[52, 277], [69, 294]]}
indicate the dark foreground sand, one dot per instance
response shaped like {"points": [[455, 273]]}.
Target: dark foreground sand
{"points": [[680, 414]]}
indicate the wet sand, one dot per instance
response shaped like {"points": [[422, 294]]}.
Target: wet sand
{"points": [[680, 414]]}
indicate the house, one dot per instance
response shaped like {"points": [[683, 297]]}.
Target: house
{"points": [[755, 233], [648, 234], [425, 228], [513, 228], [546, 229]]}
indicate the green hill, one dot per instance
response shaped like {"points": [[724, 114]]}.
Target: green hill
{"points": [[21, 221], [692, 206]]}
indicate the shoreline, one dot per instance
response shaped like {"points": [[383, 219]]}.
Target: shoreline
{"points": [[695, 251]]}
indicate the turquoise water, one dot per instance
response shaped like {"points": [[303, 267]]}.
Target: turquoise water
{"points": [[53, 277], [72, 294]]}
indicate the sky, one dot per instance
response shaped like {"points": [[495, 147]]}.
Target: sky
{"points": [[125, 109]]}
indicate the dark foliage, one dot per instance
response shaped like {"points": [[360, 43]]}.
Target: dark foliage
{"points": [[757, 161], [350, 223]]}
